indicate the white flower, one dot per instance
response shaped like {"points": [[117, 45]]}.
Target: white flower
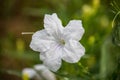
{"points": [[57, 43], [29, 72], [39, 72]]}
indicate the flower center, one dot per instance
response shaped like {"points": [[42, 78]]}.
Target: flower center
{"points": [[62, 42]]}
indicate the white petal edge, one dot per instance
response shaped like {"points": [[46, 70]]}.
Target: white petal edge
{"points": [[53, 65], [73, 30], [40, 67], [52, 24], [41, 41], [73, 51]]}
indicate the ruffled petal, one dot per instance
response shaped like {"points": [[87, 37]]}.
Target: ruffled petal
{"points": [[53, 65], [53, 24], [73, 30], [52, 58], [73, 51], [41, 41]]}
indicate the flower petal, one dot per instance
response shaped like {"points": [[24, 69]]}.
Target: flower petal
{"points": [[73, 30], [73, 51], [53, 65], [52, 24], [52, 58], [43, 71], [41, 41], [29, 72]]}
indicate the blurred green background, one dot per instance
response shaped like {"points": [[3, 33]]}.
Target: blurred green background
{"points": [[101, 39]]}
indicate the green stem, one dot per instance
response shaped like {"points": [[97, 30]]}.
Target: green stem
{"points": [[115, 18]]}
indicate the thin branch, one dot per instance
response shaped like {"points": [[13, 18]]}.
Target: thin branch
{"points": [[27, 33]]}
